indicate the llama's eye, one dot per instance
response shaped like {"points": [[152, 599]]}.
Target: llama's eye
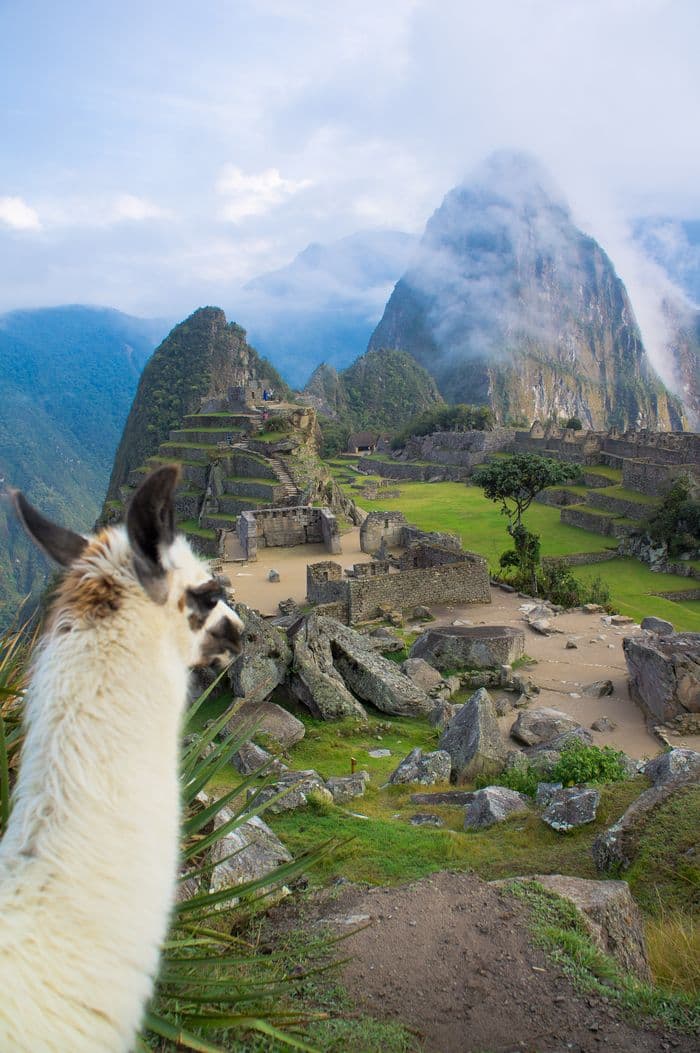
{"points": [[204, 598]]}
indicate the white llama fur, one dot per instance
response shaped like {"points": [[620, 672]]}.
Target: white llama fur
{"points": [[89, 862]]}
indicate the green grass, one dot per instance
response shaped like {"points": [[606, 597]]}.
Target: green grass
{"points": [[605, 471], [666, 867], [272, 436], [269, 481], [631, 495], [465, 511], [190, 526], [189, 445], [632, 585], [558, 927], [386, 849]]}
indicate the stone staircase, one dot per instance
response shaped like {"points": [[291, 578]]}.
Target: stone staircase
{"points": [[291, 494]]}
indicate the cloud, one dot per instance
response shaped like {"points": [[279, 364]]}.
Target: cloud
{"points": [[255, 194], [18, 215], [128, 206], [101, 212]]}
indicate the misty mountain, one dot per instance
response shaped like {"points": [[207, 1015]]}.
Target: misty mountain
{"points": [[675, 245], [67, 378], [508, 304], [323, 306]]}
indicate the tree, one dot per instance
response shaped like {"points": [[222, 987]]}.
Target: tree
{"points": [[574, 424], [515, 482]]}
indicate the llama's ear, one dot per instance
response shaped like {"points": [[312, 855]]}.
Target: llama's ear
{"points": [[150, 525], [60, 544]]}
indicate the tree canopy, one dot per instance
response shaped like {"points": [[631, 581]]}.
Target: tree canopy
{"points": [[516, 481]]}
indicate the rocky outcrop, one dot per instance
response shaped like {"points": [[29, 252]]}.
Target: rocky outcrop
{"points": [[262, 664], [343, 788], [617, 846], [679, 765], [292, 790], [268, 722], [426, 768], [610, 915], [423, 675], [473, 739], [492, 805], [664, 673]]}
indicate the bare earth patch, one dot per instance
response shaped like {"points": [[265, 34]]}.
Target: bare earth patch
{"points": [[451, 957]]}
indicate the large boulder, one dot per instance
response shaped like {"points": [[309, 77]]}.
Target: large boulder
{"points": [[267, 721], [368, 675], [450, 647], [292, 790], [657, 625], [473, 739], [494, 804], [610, 915], [617, 846], [664, 673], [316, 683], [678, 764], [251, 758], [426, 768], [422, 674], [247, 853], [534, 727], [571, 807], [262, 664]]}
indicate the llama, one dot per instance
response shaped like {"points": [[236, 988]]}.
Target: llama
{"points": [[88, 864]]}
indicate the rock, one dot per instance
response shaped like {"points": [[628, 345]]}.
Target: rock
{"points": [[473, 739], [657, 625], [377, 754], [505, 588], [503, 705], [560, 742], [422, 674], [251, 758], [591, 608], [288, 607], [545, 792], [316, 683], [599, 689], [676, 764], [452, 797], [453, 684], [604, 724], [543, 626], [441, 716], [247, 853], [536, 726], [262, 665], [273, 575], [664, 673], [295, 787], [571, 807], [611, 917], [395, 618], [571, 645], [451, 647], [426, 768], [382, 639], [425, 819], [621, 619], [266, 720], [617, 846], [494, 804], [421, 614], [364, 672], [343, 788]]}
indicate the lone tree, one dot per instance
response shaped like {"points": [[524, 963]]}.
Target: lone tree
{"points": [[515, 482]]}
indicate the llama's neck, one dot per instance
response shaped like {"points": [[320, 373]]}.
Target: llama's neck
{"points": [[94, 828]]}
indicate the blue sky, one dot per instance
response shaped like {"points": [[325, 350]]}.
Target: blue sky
{"points": [[156, 155]]}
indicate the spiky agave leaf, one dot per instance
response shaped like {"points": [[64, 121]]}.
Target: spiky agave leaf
{"points": [[211, 981]]}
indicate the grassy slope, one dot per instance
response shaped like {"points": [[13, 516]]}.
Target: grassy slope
{"points": [[465, 511]]}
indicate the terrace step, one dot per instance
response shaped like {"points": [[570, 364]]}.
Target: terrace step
{"points": [[621, 506], [598, 522]]}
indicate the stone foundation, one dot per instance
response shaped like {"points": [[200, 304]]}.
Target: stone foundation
{"points": [[286, 527]]}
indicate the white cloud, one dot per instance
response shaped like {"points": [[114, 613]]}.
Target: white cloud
{"points": [[100, 212], [17, 214], [256, 193], [128, 206]]}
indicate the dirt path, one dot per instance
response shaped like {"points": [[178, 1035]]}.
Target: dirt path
{"points": [[451, 957]]}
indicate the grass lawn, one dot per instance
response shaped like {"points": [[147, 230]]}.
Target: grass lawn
{"points": [[465, 511]]}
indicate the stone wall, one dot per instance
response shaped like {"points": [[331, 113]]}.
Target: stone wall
{"points": [[557, 497], [381, 526], [608, 526], [286, 527], [466, 582], [648, 477], [423, 554], [462, 448], [325, 583], [583, 559], [620, 506]]}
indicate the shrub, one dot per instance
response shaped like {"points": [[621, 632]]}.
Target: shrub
{"points": [[676, 521], [580, 764], [460, 417], [574, 424]]}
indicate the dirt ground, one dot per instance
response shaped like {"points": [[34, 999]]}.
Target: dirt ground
{"points": [[451, 957], [561, 673]]}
